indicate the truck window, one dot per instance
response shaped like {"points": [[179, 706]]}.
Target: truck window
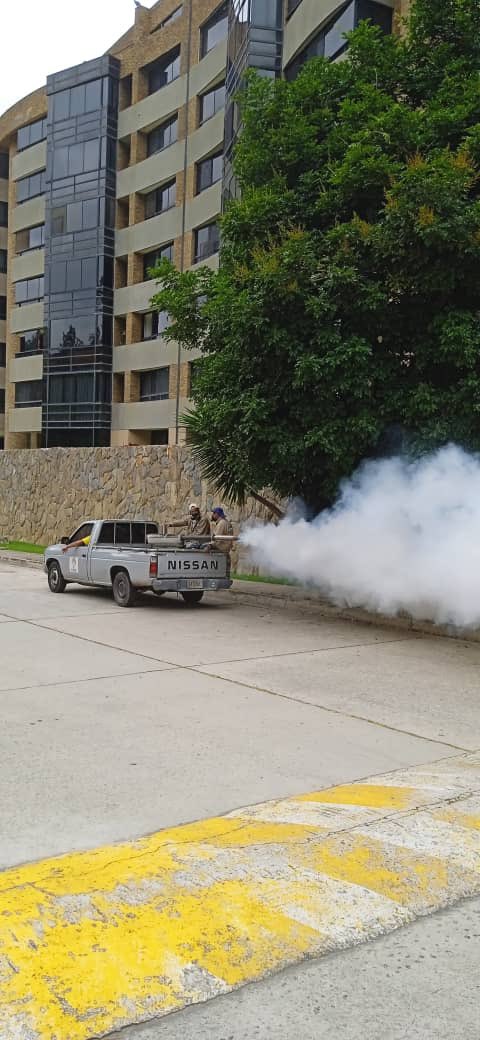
{"points": [[83, 532], [138, 534], [107, 534], [122, 534], [151, 529]]}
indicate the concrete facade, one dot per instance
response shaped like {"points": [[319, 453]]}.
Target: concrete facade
{"points": [[166, 31]]}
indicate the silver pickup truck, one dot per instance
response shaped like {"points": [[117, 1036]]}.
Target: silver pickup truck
{"points": [[131, 557]]}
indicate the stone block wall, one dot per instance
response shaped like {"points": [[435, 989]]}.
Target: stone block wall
{"points": [[46, 493]]}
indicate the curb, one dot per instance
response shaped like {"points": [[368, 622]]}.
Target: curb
{"points": [[284, 596], [125, 934]]}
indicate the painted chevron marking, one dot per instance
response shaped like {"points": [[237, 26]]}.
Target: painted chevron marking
{"points": [[92, 942]]}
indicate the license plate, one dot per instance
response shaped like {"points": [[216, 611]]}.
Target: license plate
{"points": [[195, 583]]}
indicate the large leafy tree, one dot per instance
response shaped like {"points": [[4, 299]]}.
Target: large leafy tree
{"points": [[347, 301]]}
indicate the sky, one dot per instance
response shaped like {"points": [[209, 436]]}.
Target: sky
{"points": [[39, 37]]}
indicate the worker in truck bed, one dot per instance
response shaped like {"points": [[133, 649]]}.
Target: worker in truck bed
{"points": [[194, 524], [221, 529]]}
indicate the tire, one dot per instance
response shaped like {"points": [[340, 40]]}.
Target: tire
{"points": [[192, 598], [56, 581], [124, 593]]}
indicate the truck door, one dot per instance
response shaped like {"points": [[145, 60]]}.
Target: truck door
{"points": [[75, 561]]}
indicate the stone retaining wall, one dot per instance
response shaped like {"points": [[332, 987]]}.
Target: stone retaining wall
{"points": [[45, 494]]}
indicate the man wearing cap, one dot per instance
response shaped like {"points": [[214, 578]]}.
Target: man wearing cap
{"points": [[195, 523], [222, 529]]}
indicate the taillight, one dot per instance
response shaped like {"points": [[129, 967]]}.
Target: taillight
{"points": [[153, 566]]}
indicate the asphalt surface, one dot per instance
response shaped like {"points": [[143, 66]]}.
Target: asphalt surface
{"points": [[116, 723], [419, 983]]}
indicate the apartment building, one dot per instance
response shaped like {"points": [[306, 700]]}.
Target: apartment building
{"points": [[112, 164]]}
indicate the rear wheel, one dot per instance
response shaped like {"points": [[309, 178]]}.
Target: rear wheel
{"points": [[191, 598], [124, 593], [56, 581]]}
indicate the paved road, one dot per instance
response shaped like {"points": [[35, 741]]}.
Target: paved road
{"points": [[117, 723]]}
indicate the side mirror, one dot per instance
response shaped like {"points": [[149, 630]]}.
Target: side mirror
{"points": [[64, 541]]}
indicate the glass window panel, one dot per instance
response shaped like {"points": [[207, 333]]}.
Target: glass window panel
{"points": [[59, 220], [93, 95], [138, 534], [3, 307], [90, 213], [122, 534], [3, 214], [334, 38], [77, 100], [74, 217], [107, 534], [60, 163], [74, 275], [3, 355], [58, 277], [3, 261], [61, 105], [215, 30], [89, 273], [91, 155], [75, 159], [36, 237]]}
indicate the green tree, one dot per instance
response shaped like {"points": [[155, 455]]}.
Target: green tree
{"points": [[347, 301]]}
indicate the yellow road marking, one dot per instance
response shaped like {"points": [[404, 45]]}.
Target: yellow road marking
{"points": [[91, 942]]}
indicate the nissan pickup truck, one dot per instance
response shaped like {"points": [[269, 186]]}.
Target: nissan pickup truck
{"points": [[132, 557]]}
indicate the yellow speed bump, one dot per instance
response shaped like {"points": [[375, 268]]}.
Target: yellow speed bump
{"points": [[91, 942]]}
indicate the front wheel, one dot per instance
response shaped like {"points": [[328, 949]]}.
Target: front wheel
{"points": [[56, 581], [124, 593], [191, 598]]}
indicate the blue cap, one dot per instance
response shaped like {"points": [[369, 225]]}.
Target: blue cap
{"points": [[218, 511]]}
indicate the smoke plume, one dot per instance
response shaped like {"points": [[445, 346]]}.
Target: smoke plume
{"points": [[403, 536]]}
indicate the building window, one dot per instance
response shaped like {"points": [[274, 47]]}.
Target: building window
{"points": [[30, 238], [78, 216], [330, 42], [207, 241], [161, 199], [79, 333], [292, 6], [4, 166], [209, 171], [30, 187], [163, 71], [2, 404], [83, 157], [162, 136], [154, 323], [70, 275], [3, 261], [177, 13], [154, 385], [28, 394], [214, 31], [29, 289], [159, 437], [88, 97], [31, 134], [150, 260], [3, 355], [211, 102], [3, 214], [3, 308], [32, 342]]}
